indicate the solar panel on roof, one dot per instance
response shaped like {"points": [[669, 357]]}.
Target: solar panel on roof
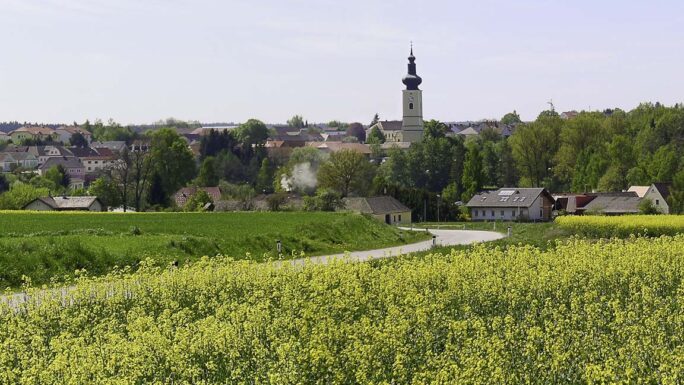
{"points": [[506, 192]]}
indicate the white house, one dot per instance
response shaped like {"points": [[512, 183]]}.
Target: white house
{"points": [[510, 204], [658, 194]]}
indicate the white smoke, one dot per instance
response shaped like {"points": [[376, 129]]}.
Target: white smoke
{"points": [[303, 178]]}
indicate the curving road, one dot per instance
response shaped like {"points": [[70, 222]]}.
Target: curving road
{"points": [[443, 238]]}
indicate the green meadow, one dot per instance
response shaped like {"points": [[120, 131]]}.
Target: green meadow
{"points": [[45, 247]]}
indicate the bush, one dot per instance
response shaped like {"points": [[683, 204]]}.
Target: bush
{"points": [[276, 200]]}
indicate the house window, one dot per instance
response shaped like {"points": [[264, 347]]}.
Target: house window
{"points": [[502, 213], [512, 213], [541, 212], [399, 217], [657, 202], [410, 106], [475, 213], [492, 213]]}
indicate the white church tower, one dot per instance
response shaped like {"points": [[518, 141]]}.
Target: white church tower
{"points": [[412, 122]]}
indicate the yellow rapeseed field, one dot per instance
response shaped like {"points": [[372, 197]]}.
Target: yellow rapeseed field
{"points": [[623, 226], [583, 312]]}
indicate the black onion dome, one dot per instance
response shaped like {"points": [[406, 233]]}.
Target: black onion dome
{"points": [[412, 80]]}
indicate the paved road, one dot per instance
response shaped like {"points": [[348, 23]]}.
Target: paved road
{"points": [[443, 238]]}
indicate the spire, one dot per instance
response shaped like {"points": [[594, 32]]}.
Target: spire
{"points": [[412, 80]]}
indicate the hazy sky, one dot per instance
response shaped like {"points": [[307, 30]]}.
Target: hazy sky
{"points": [[138, 61]]}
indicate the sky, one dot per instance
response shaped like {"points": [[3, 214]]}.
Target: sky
{"points": [[138, 61]]}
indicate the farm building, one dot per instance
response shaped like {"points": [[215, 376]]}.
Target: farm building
{"points": [[510, 204], [182, 195], [613, 205], [65, 203], [383, 208]]}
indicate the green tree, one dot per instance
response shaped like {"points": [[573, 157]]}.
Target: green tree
{"points": [[20, 195], [646, 206], [78, 140], [357, 131], [172, 159], [4, 184], [533, 147], [156, 196], [375, 136], [508, 175], [58, 175], [264, 182], [208, 177], [346, 172], [676, 198], [376, 119], [511, 118], [472, 172], [296, 121], [490, 164], [197, 201], [105, 190], [435, 129]]}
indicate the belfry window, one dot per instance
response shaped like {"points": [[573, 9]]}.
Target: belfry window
{"points": [[410, 106]]}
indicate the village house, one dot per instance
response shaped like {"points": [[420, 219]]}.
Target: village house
{"points": [[72, 166], [4, 137], [383, 208], [658, 193], [95, 160], [115, 145], [12, 160], [510, 204], [65, 203], [33, 133], [65, 133], [43, 153]]}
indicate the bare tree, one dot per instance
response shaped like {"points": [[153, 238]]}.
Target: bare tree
{"points": [[120, 173]]}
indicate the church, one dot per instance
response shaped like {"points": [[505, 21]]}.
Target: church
{"points": [[410, 128]]}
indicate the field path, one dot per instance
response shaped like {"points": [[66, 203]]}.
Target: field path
{"points": [[442, 238]]}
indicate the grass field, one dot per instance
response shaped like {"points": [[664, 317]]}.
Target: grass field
{"points": [[583, 312], [46, 245]]}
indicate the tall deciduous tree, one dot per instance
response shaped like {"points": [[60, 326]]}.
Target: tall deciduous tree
{"points": [[533, 147], [346, 172], [296, 121], [172, 159], [106, 191], [472, 172], [511, 118], [208, 177], [357, 131]]}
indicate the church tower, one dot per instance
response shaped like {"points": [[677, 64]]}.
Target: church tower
{"points": [[412, 123]]}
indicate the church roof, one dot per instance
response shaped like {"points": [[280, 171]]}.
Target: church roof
{"points": [[390, 125], [412, 80]]}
